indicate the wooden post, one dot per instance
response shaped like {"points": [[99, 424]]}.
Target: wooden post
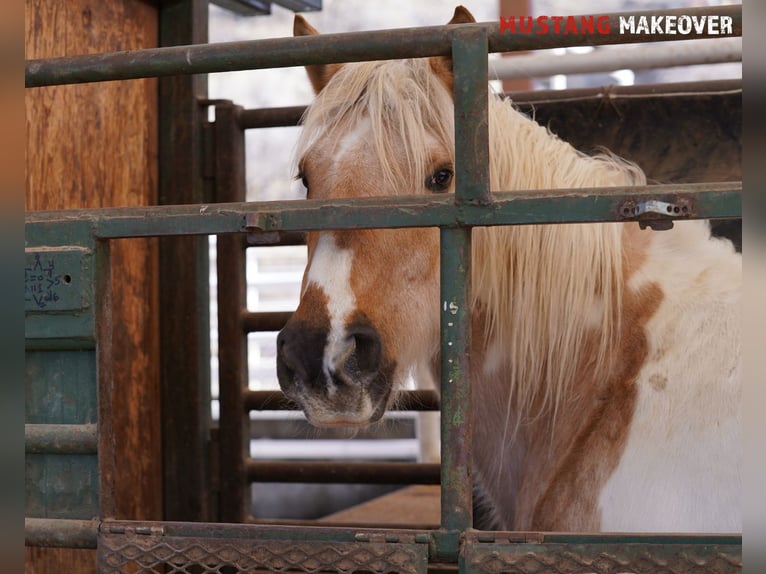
{"points": [[95, 145]]}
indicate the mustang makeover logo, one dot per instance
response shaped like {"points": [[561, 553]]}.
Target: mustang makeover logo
{"points": [[712, 25]]}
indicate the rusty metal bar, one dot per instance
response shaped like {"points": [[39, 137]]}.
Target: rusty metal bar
{"points": [[234, 429], [637, 90], [60, 439], [712, 200], [184, 277], [420, 400], [60, 533], [264, 320], [321, 472], [271, 238], [271, 117], [290, 116], [333, 48], [107, 448]]}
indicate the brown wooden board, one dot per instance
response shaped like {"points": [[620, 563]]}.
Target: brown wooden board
{"points": [[95, 145]]}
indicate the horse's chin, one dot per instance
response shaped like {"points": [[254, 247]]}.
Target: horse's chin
{"points": [[349, 420], [339, 423]]}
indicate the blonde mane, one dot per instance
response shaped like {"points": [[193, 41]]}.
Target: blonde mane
{"points": [[538, 336], [543, 288]]}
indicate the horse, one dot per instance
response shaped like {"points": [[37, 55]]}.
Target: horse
{"points": [[605, 357]]}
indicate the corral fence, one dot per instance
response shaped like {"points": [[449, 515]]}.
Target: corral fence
{"points": [[71, 467]]}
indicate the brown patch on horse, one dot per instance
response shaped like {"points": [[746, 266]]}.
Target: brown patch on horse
{"points": [[635, 243], [569, 500], [312, 311], [388, 313]]}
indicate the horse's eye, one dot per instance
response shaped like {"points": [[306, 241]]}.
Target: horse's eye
{"points": [[440, 180]]}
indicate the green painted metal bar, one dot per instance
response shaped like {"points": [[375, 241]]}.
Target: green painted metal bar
{"points": [[319, 532], [60, 439], [60, 533], [469, 64], [710, 200], [457, 484], [329, 48]]}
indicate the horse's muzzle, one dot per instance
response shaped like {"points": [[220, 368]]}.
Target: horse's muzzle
{"points": [[340, 382]]}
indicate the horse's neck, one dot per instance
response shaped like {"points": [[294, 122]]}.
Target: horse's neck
{"points": [[525, 461], [551, 473]]}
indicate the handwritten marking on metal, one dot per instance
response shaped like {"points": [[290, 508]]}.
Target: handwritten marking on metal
{"points": [[52, 279], [41, 283]]}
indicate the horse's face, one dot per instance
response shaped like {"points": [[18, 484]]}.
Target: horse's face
{"points": [[369, 302]]}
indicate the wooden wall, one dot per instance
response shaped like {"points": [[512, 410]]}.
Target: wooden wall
{"points": [[95, 145]]}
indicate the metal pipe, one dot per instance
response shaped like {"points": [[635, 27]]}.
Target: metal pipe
{"points": [[271, 117], [322, 472], [419, 400], [722, 50], [60, 533], [60, 439], [264, 321], [577, 205], [333, 48]]}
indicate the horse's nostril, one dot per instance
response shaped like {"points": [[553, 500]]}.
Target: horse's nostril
{"points": [[367, 348]]}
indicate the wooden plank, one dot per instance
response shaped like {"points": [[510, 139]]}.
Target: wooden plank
{"points": [[92, 146], [410, 507]]}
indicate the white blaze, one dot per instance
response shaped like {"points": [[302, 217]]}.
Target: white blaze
{"points": [[330, 271]]}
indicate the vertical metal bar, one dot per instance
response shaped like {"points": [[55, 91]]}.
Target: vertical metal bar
{"points": [[469, 54], [469, 64], [107, 463], [456, 491], [184, 278], [234, 428]]}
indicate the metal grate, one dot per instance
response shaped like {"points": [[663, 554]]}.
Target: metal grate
{"points": [[602, 558], [148, 549]]}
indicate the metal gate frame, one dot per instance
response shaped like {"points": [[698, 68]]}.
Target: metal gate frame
{"points": [[79, 241]]}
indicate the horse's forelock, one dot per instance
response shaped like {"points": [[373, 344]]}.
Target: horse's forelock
{"points": [[409, 112]]}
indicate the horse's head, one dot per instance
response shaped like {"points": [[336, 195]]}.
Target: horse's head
{"points": [[369, 302]]}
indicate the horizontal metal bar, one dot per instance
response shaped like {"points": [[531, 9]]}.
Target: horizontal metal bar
{"points": [[718, 51], [290, 116], [672, 89], [264, 320], [711, 200], [251, 531], [343, 472], [60, 533], [272, 238], [331, 48], [270, 117], [418, 400], [60, 439]]}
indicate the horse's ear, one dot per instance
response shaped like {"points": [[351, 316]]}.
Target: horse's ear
{"points": [[442, 65], [318, 74], [462, 16]]}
